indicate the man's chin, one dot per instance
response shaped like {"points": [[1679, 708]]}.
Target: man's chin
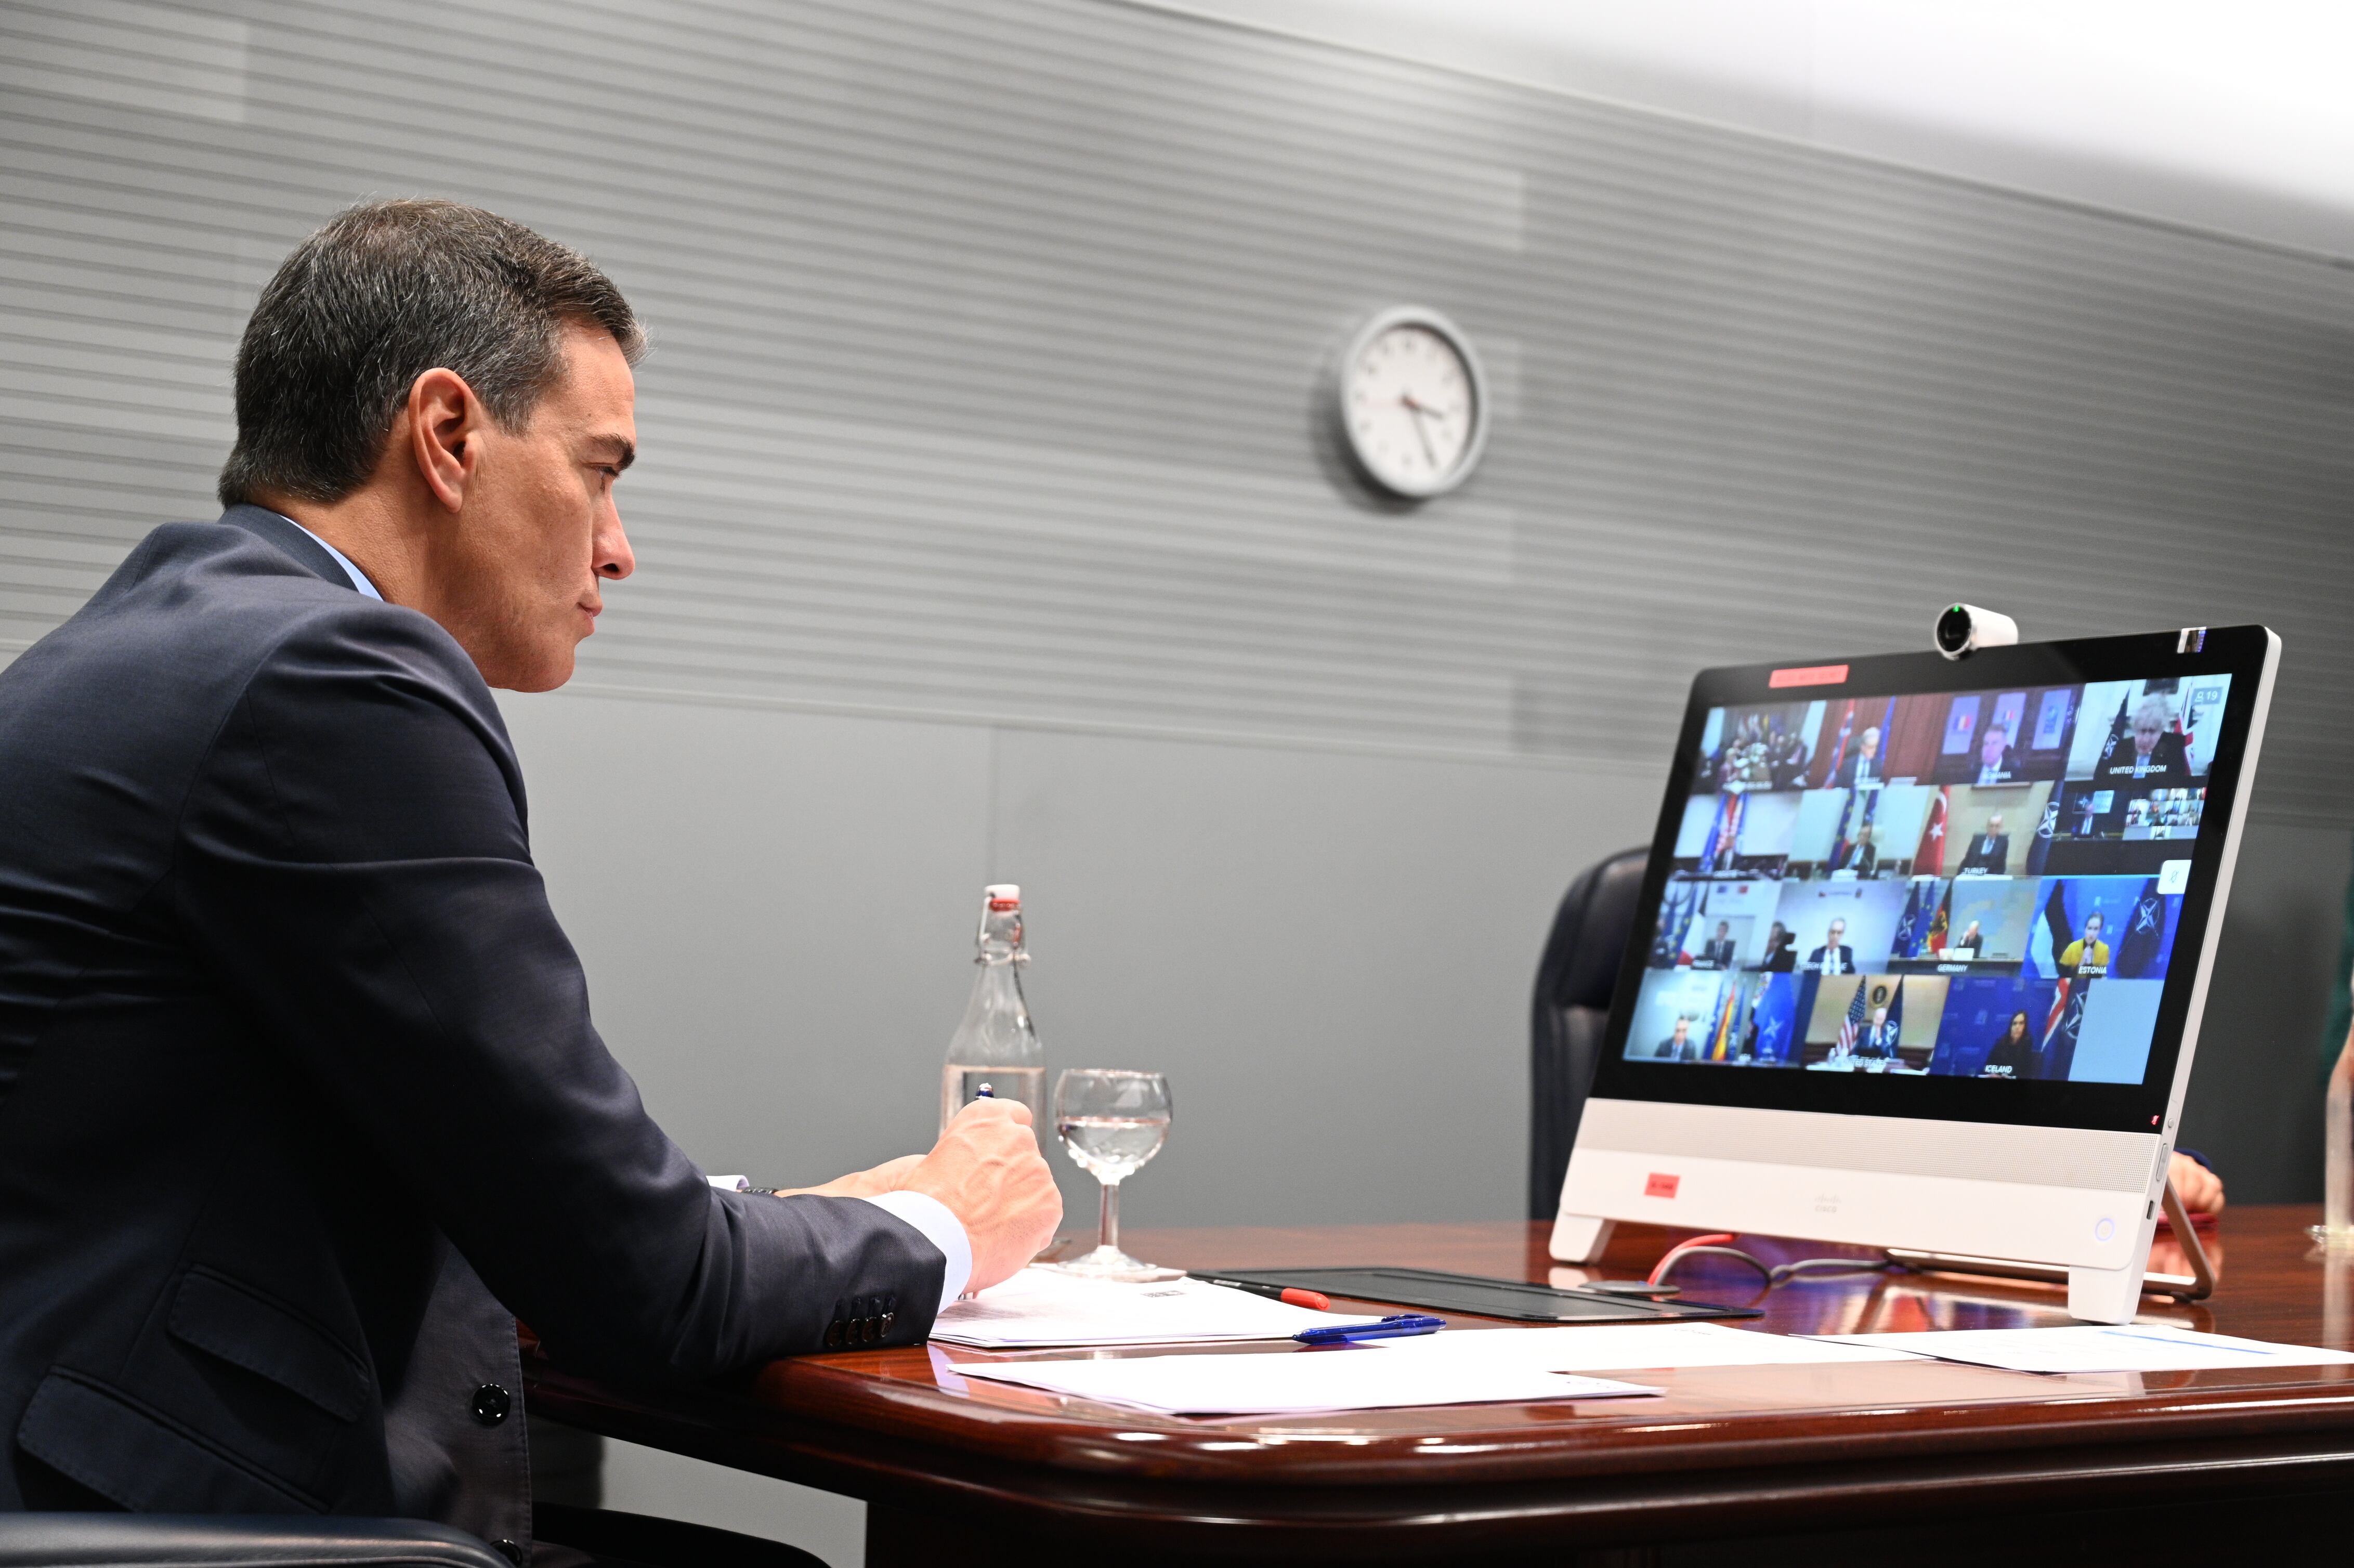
{"points": [[541, 674]]}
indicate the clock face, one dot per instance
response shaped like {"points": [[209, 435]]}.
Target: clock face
{"points": [[1413, 405]]}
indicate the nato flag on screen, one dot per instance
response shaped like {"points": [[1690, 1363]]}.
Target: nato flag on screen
{"points": [[1775, 1018], [2059, 1050], [2037, 850], [2140, 953]]}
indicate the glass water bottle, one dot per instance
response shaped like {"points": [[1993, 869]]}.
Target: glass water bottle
{"points": [[2336, 1227], [995, 1043]]}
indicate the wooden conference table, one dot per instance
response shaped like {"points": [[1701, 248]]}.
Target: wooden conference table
{"points": [[1929, 1461]]}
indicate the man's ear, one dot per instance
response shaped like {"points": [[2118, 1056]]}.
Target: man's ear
{"points": [[445, 422]]}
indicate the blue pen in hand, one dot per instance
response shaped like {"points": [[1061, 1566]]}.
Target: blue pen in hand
{"points": [[1396, 1326]]}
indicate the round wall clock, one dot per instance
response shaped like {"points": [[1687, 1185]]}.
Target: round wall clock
{"points": [[1413, 404]]}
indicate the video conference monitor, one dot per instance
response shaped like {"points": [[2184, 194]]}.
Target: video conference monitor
{"points": [[1922, 951]]}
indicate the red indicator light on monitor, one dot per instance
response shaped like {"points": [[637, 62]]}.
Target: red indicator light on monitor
{"points": [[1660, 1186], [1809, 675]]}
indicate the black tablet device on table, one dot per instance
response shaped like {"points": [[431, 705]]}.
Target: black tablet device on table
{"points": [[1475, 1294]]}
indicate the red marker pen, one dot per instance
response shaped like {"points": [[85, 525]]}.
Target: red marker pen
{"points": [[1314, 1300]]}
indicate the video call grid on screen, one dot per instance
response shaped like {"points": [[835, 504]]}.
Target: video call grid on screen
{"points": [[1954, 888]]}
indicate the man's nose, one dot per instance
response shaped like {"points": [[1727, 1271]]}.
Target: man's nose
{"points": [[614, 558]]}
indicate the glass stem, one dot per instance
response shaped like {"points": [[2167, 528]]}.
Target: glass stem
{"points": [[1107, 1226]]}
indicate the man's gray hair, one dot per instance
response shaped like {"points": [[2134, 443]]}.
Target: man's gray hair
{"points": [[385, 291]]}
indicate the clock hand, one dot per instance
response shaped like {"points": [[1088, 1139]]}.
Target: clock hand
{"points": [[1420, 434]]}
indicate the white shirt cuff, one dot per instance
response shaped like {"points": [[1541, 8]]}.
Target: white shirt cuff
{"points": [[939, 1227]]}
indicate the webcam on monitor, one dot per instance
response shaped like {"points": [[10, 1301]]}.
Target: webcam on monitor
{"points": [[1963, 629]]}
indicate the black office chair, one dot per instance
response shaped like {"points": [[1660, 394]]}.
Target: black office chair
{"points": [[210, 1540], [296, 1540], [1572, 1009]]}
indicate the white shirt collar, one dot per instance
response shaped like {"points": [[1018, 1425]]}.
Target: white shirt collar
{"points": [[359, 578]]}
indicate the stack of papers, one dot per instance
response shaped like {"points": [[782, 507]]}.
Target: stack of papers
{"points": [[2096, 1348], [1453, 1367], [1295, 1384], [1039, 1307], [1492, 1366]]}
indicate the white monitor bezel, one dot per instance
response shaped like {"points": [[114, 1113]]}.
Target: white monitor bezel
{"points": [[2093, 1206]]}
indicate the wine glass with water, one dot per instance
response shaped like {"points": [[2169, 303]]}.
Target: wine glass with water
{"points": [[1112, 1121]]}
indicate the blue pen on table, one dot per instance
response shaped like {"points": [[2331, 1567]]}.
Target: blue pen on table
{"points": [[1395, 1325]]}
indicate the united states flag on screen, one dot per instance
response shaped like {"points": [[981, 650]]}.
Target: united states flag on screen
{"points": [[1853, 1024]]}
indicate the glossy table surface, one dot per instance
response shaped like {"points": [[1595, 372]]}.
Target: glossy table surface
{"points": [[1723, 1451]]}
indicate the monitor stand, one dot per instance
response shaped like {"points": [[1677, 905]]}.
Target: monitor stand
{"points": [[1579, 1238], [2096, 1294]]}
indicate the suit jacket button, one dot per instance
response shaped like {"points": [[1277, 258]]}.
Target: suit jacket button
{"points": [[511, 1552], [867, 1330], [834, 1335], [492, 1403], [890, 1318]]}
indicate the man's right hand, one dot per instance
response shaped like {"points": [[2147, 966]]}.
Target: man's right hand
{"points": [[987, 1169]]}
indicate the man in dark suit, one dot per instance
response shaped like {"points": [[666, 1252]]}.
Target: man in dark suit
{"points": [[1679, 1045], [1998, 763], [1989, 852], [1834, 956], [300, 1102], [1865, 860], [1716, 953], [2158, 754], [1861, 766]]}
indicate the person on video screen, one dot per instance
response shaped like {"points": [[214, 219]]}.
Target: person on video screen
{"points": [[1781, 950], [1679, 1047], [2087, 954], [1971, 939], [1834, 956], [2159, 755], [1862, 764], [1879, 1038], [1989, 852], [2013, 1055], [1865, 860], [1716, 953], [1998, 763]]}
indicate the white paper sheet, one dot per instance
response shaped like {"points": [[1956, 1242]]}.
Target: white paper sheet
{"points": [[1296, 1384], [1039, 1307], [1620, 1348], [2098, 1347]]}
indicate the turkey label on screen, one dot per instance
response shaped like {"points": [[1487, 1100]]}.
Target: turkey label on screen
{"points": [[1660, 1186]]}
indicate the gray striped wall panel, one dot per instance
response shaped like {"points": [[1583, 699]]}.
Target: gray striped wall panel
{"points": [[990, 338]]}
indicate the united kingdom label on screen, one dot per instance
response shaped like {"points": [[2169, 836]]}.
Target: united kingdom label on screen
{"points": [[1980, 884]]}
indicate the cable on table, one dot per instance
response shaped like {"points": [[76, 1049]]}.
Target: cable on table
{"points": [[1719, 1245]]}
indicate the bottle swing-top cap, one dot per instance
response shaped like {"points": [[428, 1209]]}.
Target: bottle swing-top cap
{"points": [[1002, 895]]}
